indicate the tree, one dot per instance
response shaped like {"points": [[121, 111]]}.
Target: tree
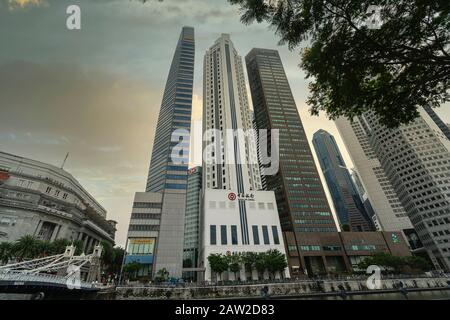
{"points": [[132, 269], [261, 263], [390, 68], [234, 261], [249, 260], [418, 263], [275, 262], [108, 254], [59, 246], [6, 252], [27, 247], [162, 275], [119, 252], [218, 263], [384, 260]]}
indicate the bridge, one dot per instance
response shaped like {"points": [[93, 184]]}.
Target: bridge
{"points": [[57, 276]]}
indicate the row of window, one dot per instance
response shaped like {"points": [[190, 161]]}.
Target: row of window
{"points": [[234, 236]]}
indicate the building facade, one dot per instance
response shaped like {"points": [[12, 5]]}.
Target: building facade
{"points": [[416, 160], [169, 163], [236, 215], [300, 197], [48, 203], [350, 210], [192, 221], [389, 212]]}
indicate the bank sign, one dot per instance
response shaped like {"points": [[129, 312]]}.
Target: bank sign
{"points": [[241, 196]]}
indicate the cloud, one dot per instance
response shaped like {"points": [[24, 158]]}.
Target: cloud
{"points": [[15, 4]]}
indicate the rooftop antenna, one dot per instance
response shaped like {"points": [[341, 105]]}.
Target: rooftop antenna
{"points": [[64, 162]]}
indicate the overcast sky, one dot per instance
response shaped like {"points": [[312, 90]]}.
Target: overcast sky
{"points": [[96, 92]]}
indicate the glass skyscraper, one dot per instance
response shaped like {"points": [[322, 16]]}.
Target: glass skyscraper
{"points": [[158, 214], [167, 170], [192, 221], [346, 199]]}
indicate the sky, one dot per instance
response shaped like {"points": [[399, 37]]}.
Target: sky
{"points": [[96, 92]]}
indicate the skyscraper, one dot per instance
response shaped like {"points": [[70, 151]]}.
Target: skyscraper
{"points": [[438, 121], [192, 220], [346, 199], [389, 212], [302, 203], [416, 160], [166, 184], [236, 216]]}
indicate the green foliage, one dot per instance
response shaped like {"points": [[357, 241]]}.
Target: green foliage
{"points": [[6, 252], [418, 263], [390, 70], [218, 263], [249, 260], [162, 275], [395, 264], [131, 269], [261, 263], [234, 262], [28, 247], [275, 262]]}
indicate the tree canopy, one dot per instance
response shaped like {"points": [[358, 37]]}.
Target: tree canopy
{"points": [[357, 64]]}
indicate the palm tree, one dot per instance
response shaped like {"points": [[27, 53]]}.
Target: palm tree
{"points": [[6, 252], [27, 247]]}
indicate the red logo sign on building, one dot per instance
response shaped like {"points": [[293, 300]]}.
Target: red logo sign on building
{"points": [[232, 196], [4, 176]]}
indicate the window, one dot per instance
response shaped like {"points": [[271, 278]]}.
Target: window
{"points": [[212, 234], [265, 231], [234, 238], [255, 235], [223, 234], [276, 239]]}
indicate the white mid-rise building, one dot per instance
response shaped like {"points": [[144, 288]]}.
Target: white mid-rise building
{"points": [[236, 215]]}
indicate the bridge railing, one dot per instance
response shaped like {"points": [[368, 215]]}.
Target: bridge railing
{"points": [[20, 278]]}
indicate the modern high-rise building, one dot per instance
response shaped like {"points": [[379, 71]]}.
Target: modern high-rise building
{"points": [[301, 200], [443, 127], [167, 178], [192, 221], [389, 212], [358, 184], [416, 161], [236, 215], [347, 202]]}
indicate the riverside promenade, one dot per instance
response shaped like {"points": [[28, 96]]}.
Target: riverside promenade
{"points": [[284, 290]]}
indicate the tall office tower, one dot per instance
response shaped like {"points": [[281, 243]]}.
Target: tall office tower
{"points": [[236, 216], [302, 204], [226, 108], [358, 184], [192, 222], [445, 129], [389, 212], [347, 202], [168, 167], [416, 160]]}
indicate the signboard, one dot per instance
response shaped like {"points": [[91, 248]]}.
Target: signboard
{"points": [[241, 196], [192, 171], [141, 246], [4, 175]]}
